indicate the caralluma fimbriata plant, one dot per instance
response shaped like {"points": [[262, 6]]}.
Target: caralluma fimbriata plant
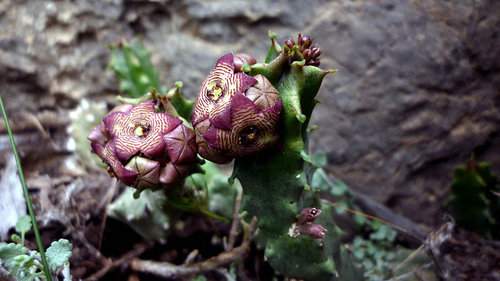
{"points": [[258, 115]]}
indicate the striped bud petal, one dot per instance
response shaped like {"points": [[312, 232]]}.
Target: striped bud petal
{"points": [[147, 171], [181, 145]]}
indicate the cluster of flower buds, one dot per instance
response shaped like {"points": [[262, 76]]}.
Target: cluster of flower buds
{"points": [[305, 224], [145, 148], [235, 114], [309, 52]]}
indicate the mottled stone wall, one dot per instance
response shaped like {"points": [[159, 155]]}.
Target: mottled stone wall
{"points": [[417, 88]]}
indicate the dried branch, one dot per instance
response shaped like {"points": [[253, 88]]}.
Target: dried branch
{"points": [[79, 235], [125, 259], [168, 270], [233, 233], [190, 258]]}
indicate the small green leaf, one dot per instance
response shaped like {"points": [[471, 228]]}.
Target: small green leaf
{"points": [[221, 193], [8, 253], [58, 254], [16, 239], [346, 267], [23, 225], [146, 215], [200, 278], [274, 49], [318, 160], [360, 220], [322, 182], [182, 105]]}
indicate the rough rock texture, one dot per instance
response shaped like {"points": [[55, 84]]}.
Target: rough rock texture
{"points": [[417, 89]]}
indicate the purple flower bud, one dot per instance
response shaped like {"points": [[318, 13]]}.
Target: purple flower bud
{"points": [[306, 41], [308, 215], [141, 145], [289, 43], [309, 52], [235, 114], [300, 40], [316, 231], [305, 224], [306, 53], [316, 52]]}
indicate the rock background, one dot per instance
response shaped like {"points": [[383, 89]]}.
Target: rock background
{"points": [[417, 89]]}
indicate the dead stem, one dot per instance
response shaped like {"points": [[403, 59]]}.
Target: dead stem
{"points": [[125, 259], [168, 270], [233, 233]]}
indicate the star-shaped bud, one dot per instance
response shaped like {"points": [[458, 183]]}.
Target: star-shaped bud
{"points": [[139, 130], [235, 114], [140, 145]]}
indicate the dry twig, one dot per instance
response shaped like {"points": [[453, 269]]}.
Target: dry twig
{"points": [[233, 233], [168, 270], [125, 259]]}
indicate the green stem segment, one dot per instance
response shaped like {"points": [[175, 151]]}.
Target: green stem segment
{"points": [[27, 197], [275, 184]]}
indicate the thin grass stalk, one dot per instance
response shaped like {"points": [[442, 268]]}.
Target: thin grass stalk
{"points": [[27, 197]]}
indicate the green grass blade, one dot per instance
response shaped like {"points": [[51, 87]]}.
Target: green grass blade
{"points": [[26, 194]]}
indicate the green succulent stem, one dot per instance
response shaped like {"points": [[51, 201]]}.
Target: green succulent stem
{"points": [[275, 185], [183, 105], [27, 197]]}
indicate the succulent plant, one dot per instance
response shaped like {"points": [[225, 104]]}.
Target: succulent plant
{"points": [[145, 148], [235, 114]]}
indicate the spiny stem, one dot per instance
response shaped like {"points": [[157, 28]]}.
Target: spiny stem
{"points": [[27, 197]]}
